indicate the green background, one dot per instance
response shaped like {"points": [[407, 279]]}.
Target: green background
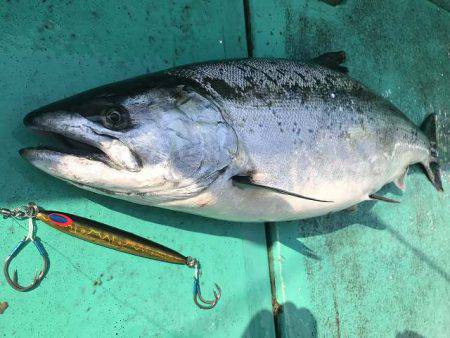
{"points": [[382, 271]]}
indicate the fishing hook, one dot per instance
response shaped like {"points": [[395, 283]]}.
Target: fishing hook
{"points": [[198, 298], [30, 212]]}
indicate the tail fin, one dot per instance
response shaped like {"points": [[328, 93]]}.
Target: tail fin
{"points": [[428, 127]]}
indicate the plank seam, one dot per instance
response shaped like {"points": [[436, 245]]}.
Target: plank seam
{"points": [[277, 308], [248, 28]]}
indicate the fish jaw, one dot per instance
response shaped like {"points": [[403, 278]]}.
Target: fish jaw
{"points": [[92, 157], [75, 127], [75, 169]]}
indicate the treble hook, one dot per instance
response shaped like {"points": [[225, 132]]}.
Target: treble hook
{"points": [[198, 298], [30, 237]]}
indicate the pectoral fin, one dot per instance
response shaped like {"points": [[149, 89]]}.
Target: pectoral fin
{"points": [[247, 180], [382, 198]]}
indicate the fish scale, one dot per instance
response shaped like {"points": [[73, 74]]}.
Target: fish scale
{"points": [[266, 78]]}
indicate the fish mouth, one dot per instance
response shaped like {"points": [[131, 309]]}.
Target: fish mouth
{"points": [[85, 152], [67, 147]]}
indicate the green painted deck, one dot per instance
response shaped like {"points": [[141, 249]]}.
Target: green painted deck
{"points": [[382, 271]]}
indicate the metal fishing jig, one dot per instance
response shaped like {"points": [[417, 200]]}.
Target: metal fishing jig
{"points": [[30, 212], [101, 234]]}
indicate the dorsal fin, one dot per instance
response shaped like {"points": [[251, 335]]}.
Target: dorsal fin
{"points": [[247, 180], [332, 60]]}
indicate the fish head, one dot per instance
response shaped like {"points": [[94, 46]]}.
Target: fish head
{"points": [[146, 144]]}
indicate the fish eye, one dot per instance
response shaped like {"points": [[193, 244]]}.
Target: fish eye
{"points": [[115, 118]]}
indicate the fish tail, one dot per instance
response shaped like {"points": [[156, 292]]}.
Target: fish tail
{"points": [[431, 167]]}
